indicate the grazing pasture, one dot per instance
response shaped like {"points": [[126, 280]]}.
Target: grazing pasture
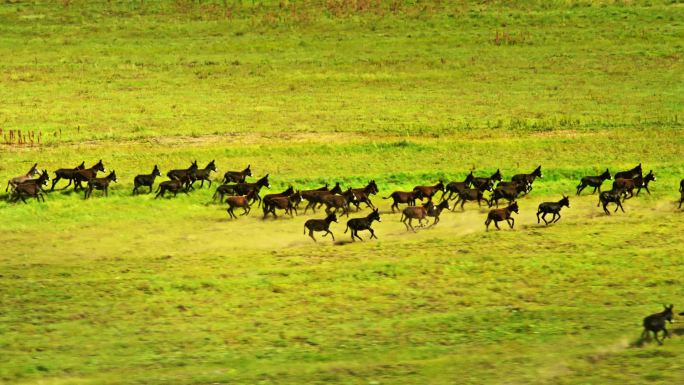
{"points": [[126, 288]]}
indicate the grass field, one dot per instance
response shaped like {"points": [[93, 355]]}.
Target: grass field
{"points": [[132, 290]]}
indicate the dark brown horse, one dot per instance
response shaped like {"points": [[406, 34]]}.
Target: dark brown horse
{"points": [[23, 178], [87, 174], [187, 174], [508, 191], [594, 181], [486, 183], [315, 197], [243, 189], [307, 193], [100, 184], [320, 225], [237, 176], [66, 173], [145, 180], [630, 174], [552, 208], [32, 188], [204, 174], [681, 192], [359, 224], [454, 188], [335, 202], [429, 191], [628, 185], [504, 214], [527, 179], [408, 197], [435, 211], [470, 194], [363, 194], [287, 203], [174, 186]]}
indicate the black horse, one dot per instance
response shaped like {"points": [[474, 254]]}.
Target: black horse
{"points": [[145, 180], [204, 174], [612, 196], [527, 179], [486, 183], [237, 176], [594, 181], [358, 224], [655, 323], [630, 174], [320, 225], [552, 208]]}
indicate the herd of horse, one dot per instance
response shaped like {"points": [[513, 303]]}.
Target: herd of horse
{"points": [[237, 192]]}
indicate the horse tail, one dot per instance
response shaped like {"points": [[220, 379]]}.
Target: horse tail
{"points": [[345, 230], [158, 188], [387, 197]]}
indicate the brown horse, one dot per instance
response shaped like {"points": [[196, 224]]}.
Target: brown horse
{"points": [[100, 184], [87, 174], [470, 194], [174, 186], [413, 212], [23, 178], [628, 185], [429, 191], [507, 190], [307, 193], [408, 197], [242, 201], [66, 173], [339, 202], [504, 214], [31, 188]]}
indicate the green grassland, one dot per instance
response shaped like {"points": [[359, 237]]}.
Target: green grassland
{"points": [[129, 289]]}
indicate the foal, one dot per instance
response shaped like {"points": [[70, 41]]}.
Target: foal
{"points": [[628, 185], [320, 225], [240, 201], [358, 224], [100, 184], [23, 178], [612, 196], [656, 323], [145, 180], [552, 208], [504, 214], [593, 181]]}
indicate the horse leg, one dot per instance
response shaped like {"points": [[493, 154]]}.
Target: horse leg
{"points": [[538, 212], [605, 209], [558, 218], [311, 235], [395, 204], [463, 204], [372, 233], [620, 205], [496, 223], [331, 234], [510, 221], [410, 220]]}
